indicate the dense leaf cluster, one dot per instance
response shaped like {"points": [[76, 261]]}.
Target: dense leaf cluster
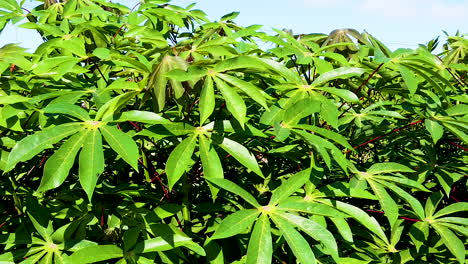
{"points": [[153, 135]]}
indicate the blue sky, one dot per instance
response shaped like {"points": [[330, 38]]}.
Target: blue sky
{"points": [[398, 23]]}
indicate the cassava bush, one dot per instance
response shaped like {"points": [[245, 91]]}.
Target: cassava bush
{"points": [[153, 135]]}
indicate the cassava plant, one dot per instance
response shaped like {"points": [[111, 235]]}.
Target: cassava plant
{"points": [[152, 135]]}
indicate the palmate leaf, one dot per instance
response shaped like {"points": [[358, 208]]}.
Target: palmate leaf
{"points": [[180, 160], [207, 100], [236, 223], [158, 80], [290, 186], [260, 249], [361, 216], [241, 154], [451, 241], [388, 167], [313, 229], [251, 90], [167, 238], [95, 253], [211, 163], [453, 208], [91, 162], [413, 202], [389, 206], [299, 246], [340, 73], [435, 129], [34, 144], [121, 143], [57, 167], [234, 188], [68, 109], [234, 102]]}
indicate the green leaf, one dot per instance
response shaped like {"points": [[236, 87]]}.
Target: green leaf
{"points": [[435, 129], [236, 223], [158, 80], [170, 129], [167, 239], [343, 228], [260, 249], [419, 233], [68, 109], [388, 167], [180, 160], [299, 110], [413, 202], [241, 154], [290, 186], [340, 73], [95, 253], [111, 107], [121, 143], [328, 134], [234, 102], [432, 202], [207, 100], [251, 90], [362, 217], [212, 167], [409, 78], [389, 206], [299, 246], [345, 94], [32, 145], [91, 162], [234, 188], [313, 229], [300, 204], [451, 241], [57, 167], [140, 116], [453, 208]]}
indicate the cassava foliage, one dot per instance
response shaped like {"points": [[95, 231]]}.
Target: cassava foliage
{"points": [[153, 135]]}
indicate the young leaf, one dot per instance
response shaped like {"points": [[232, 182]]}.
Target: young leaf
{"points": [[207, 100], [121, 143], [212, 167], [58, 166], [236, 223], [180, 160], [299, 246], [234, 102], [33, 144], [289, 187], [235, 189], [241, 154], [91, 162], [260, 249]]}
